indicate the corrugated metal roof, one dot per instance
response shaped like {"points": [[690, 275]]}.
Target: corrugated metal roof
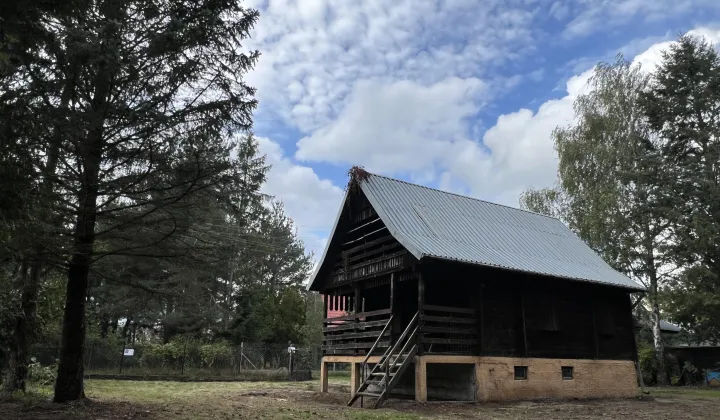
{"points": [[666, 326], [438, 224]]}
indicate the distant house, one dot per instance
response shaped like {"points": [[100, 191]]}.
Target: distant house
{"points": [[453, 298], [665, 326], [705, 357]]}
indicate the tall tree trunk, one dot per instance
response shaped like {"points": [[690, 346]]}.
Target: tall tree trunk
{"points": [[662, 378], [69, 383]]}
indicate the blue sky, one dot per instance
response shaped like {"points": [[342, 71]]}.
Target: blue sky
{"points": [[460, 95]]}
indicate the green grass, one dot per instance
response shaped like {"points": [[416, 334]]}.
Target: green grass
{"points": [[162, 391], [170, 374], [686, 392]]}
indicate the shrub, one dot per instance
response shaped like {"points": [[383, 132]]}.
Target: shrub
{"points": [[648, 367], [216, 354], [162, 355], [43, 375]]}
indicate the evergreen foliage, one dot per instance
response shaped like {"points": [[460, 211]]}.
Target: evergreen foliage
{"points": [[132, 184]]}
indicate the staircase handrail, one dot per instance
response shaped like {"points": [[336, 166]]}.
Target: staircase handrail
{"points": [[409, 328], [369, 353]]}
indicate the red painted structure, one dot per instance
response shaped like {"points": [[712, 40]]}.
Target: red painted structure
{"points": [[336, 306]]}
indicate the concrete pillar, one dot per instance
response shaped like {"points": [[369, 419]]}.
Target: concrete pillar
{"points": [[355, 377], [323, 376], [420, 379]]}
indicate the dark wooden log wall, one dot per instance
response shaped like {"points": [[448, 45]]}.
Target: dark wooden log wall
{"points": [[534, 316], [365, 248]]}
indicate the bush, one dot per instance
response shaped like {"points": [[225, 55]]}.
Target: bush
{"points": [[216, 354], [195, 354], [163, 355], [43, 375], [648, 367]]}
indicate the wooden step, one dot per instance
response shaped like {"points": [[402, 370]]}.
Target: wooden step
{"points": [[368, 394], [381, 374], [375, 382]]}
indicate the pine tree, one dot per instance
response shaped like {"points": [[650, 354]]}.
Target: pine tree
{"points": [[683, 106], [159, 87]]}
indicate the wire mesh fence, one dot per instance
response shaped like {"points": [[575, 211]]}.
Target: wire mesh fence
{"points": [[193, 360]]}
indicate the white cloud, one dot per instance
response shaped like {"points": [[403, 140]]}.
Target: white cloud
{"points": [[396, 127], [314, 51], [521, 153], [597, 16], [518, 149], [311, 202], [652, 57], [406, 128], [396, 85], [422, 131]]}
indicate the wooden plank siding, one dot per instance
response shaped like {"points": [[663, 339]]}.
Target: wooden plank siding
{"points": [[355, 333]]}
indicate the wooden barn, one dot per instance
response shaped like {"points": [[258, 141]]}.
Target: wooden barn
{"points": [[454, 298]]}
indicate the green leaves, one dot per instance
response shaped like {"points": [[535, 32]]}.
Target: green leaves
{"points": [[599, 193], [683, 106], [639, 179]]}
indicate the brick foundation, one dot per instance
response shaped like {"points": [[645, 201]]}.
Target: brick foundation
{"points": [[494, 378]]}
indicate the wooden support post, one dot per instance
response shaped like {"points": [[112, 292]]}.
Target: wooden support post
{"points": [[323, 376], [420, 380], [355, 377], [356, 307], [421, 303], [357, 310], [480, 316], [325, 306], [596, 338], [524, 330], [392, 291], [392, 307]]}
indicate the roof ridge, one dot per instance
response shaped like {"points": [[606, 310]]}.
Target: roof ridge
{"points": [[463, 196]]}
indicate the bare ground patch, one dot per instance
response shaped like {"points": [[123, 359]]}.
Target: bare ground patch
{"points": [[219, 401]]}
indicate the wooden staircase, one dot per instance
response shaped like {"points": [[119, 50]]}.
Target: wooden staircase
{"points": [[385, 374]]}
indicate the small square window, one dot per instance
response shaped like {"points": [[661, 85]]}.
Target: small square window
{"points": [[567, 372], [521, 372]]}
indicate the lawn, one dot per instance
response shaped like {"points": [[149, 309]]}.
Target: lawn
{"points": [[112, 399]]}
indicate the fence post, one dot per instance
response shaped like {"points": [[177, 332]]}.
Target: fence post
{"points": [[122, 356], [182, 365], [242, 345], [290, 355], [87, 356]]}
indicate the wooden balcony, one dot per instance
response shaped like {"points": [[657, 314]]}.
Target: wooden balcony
{"points": [[355, 334]]}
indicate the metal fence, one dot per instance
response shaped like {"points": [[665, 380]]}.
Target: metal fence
{"points": [[193, 360]]}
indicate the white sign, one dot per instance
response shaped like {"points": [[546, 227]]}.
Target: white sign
{"points": [[129, 352], [291, 349]]}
